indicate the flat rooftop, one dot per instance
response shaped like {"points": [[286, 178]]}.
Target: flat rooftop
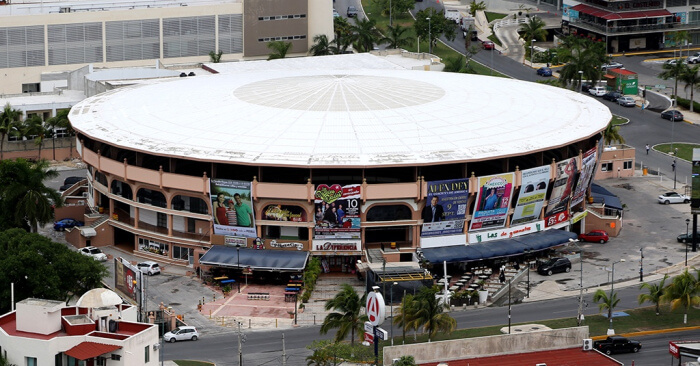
{"points": [[35, 7]]}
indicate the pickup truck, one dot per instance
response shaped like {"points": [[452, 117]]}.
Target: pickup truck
{"points": [[617, 344]]}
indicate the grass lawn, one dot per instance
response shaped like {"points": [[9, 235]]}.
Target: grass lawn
{"points": [[685, 151], [490, 16], [192, 363], [617, 120]]}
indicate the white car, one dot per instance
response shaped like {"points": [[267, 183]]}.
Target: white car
{"points": [[185, 333], [673, 197], [95, 253], [598, 91], [612, 65], [149, 267], [693, 59]]}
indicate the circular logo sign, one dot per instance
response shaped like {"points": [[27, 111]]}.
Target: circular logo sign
{"points": [[376, 310]]}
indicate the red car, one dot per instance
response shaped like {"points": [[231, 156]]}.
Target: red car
{"points": [[488, 45], [595, 236]]}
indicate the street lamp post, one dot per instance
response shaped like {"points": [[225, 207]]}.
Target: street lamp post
{"points": [[238, 264], [580, 81], [687, 222], [527, 263], [532, 58], [579, 317], [641, 264], [430, 38], [391, 289], [611, 331], [390, 13]]}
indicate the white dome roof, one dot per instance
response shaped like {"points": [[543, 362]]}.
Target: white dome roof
{"points": [[98, 297]]}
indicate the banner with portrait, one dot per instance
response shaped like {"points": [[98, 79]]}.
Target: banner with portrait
{"points": [[232, 208], [492, 201], [445, 207], [337, 211], [558, 205], [584, 179], [533, 192]]}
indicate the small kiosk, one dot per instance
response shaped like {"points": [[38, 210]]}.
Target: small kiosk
{"points": [[623, 80]]}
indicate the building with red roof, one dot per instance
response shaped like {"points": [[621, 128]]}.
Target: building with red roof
{"points": [[574, 356]]}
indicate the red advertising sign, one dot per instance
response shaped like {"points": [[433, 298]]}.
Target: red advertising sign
{"points": [[672, 348], [369, 338]]}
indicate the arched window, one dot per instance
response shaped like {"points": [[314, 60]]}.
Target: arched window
{"points": [[151, 197], [122, 189], [191, 204]]}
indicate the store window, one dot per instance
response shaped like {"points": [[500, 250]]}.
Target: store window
{"points": [[627, 165], [153, 247], [606, 167], [183, 253], [389, 213]]}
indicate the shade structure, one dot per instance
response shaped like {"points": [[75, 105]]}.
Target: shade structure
{"points": [[602, 195], [90, 350], [266, 260]]}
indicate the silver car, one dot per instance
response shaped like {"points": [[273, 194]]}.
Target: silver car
{"points": [[626, 101], [186, 333], [93, 252]]}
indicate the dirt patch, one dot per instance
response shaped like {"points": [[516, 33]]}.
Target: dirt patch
{"points": [[563, 281], [626, 186]]}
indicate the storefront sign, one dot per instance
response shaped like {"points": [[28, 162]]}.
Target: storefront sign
{"points": [[578, 217], [533, 192], [445, 207], [492, 202], [275, 244], [558, 205], [232, 207], [332, 246], [584, 180], [375, 308], [284, 213], [337, 211], [553, 220], [234, 241], [483, 236]]}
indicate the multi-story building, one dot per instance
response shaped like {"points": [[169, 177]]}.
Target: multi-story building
{"points": [[41, 40], [632, 25]]}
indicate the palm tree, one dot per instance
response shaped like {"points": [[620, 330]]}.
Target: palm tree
{"points": [[322, 46], [673, 71], [365, 33], [347, 318], [428, 313], [533, 29], [654, 295], [682, 291], [611, 134], [34, 126], [691, 78], [474, 7], [608, 302], [581, 55], [279, 49], [215, 57], [9, 122], [397, 36], [454, 64], [344, 36], [679, 38], [406, 314], [61, 121], [406, 361], [24, 191]]}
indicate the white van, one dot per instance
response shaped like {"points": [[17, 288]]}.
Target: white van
{"points": [[598, 91]]}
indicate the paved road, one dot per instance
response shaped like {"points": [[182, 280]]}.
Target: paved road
{"points": [[655, 349]]}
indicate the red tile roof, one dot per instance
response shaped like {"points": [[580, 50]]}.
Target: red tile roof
{"points": [[89, 350], [561, 357]]}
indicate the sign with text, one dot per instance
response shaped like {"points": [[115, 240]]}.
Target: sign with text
{"points": [[558, 205], [232, 208], [337, 214], [233, 241], [445, 208], [695, 182], [492, 202], [284, 213], [506, 233], [336, 245], [584, 179], [533, 192]]}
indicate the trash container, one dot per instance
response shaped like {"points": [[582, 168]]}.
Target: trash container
{"points": [[645, 171]]}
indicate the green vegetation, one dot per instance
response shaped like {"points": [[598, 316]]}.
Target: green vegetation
{"points": [[346, 316], [685, 151], [493, 38], [617, 120], [491, 16]]}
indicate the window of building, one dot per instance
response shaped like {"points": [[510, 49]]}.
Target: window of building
{"points": [[31, 88], [388, 213], [161, 219], [147, 354], [183, 253], [31, 361], [606, 167], [627, 165], [153, 246]]}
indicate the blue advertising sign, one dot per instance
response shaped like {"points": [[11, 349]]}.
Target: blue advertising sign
{"points": [[445, 208]]}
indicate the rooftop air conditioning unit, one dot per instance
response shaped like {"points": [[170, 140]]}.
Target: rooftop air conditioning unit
{"points": [[587, 344], [541, 364]]}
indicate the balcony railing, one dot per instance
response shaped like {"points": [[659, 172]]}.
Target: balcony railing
{"points": [[646, 28], [153, 228]]}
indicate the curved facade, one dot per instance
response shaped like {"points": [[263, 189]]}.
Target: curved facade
{"points": [[374, 144]]}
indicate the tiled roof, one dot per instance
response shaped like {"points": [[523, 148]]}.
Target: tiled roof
{"points": [[561, 357], [89, 350]]}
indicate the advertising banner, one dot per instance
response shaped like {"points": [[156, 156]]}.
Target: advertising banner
{"points": [[695, 183], [558, 206], [445, 208], [584, 179], [284, 213], [533, 191], [506, 233], [124, 278], [492, 202], [232, 208], [337, 211]]}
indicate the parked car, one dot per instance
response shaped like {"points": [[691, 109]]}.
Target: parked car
{"points": [[488, 45], [674, 61], [598, 91], [95, 253], [673, 197], [672, 115], [68, 223], [626, 101], [184, 333], [595, 236], [72, 180], [352, 12], [335, 13], [544, 71], [149, 267], [617, 344], [693, 59], [612, 96], [453, 14], [688, 238], [585, 87], [554, 265], [612, 65]]}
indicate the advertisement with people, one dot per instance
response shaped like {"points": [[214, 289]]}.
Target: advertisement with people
{"points": [[533, 192], [337, 211], [558, 206], [445, 208], [232, 208], [584, 179], [492, 201]]}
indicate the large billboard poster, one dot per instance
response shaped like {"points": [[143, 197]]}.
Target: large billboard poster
{"points": [[445, 208], [584, 179], [232, 208], [124, 278], [557, 208], [533, 192], [337, 211], [492, 202], [695, 182]]}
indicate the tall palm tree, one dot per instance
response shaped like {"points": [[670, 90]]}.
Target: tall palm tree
{"points": [[428, 313], [474, 7], [454, 64], [673, 71], [608, 302], [691, 78], [397, 37], [322, 46], [584, 56], [9, 122], [344, 36], [279, 49], [405, 315], [533, 29], [366, 34], [679, 38], [34, 126], [346, 317], [682, 291], [656, 290], [611, 134], [61, 121]]}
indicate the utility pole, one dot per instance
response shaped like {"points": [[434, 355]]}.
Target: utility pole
{"points": [[284, 353], [509, 306], [241, 340]]}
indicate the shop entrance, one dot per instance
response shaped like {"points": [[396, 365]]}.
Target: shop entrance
{"points": [[339, 263]]}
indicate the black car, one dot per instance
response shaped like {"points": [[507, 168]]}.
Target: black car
{"points": [[72, 180], [672, 115], [554, 265], [585, 86], [617, 344], [612, 96], [688, 238]]}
